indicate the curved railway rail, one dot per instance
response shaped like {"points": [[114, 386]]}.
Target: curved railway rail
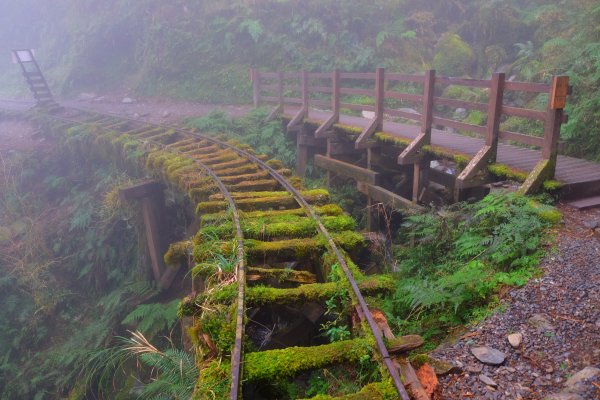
{"points": [[216, 159]]}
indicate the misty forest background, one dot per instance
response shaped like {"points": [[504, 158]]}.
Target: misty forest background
{"points": [[202, 50], [73, 273]]}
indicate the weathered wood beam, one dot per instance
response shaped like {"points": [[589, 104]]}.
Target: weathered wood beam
{"points": [[346, 169], [387, 197]]}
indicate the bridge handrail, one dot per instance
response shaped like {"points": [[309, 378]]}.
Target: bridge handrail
{"points": [[293, 88]]}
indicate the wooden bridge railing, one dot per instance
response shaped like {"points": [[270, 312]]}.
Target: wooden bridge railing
{"points": [[377, 90]]}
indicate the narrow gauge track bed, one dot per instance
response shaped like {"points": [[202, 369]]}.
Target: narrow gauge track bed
{"points": [[293, 240]]}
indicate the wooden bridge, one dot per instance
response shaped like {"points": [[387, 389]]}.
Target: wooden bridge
{"points": [[359, 125]]}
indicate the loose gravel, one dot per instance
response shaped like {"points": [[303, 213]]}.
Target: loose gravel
{"points": [[558, 316]]}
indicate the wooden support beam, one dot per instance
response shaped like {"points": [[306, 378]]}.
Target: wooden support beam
{"points": [[377, 123], [301, 155], [255, 78], [343, 168], [308, 140], [335, 106], [151, 196], [389, 199], [411, 153]]}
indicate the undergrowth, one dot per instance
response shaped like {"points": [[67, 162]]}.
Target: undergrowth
{"points": [[452, 263]]}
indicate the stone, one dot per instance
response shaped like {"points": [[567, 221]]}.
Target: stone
{"points": [[127, 100], [540, 322], [574, 384], [368, 114], [488, 355], [593, 224], [515, 339], [488, 381], [86, 96], [564, 396], [408, 110], [460, 113]]}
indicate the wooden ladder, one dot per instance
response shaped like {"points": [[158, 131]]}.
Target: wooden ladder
{"points": [[35, 79]]}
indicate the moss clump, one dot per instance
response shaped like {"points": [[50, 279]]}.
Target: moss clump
{"points": [[373, 391], [276, 364], [263, 184], [280, 275], [315, 193], [383, 137], [262, 295], [178, 252], [326, 210], [552, 185], [214, 381], [506, 172], [260, 203], [347, 130]]}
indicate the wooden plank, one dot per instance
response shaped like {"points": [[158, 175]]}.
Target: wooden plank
{"points": [[584, 204], [494, 113], [358, 107], [292, 75], [387, 198], [527, 87], [366, 134], [405, 78], [267, 88], [357, 75], [320, 89], [524, 113], [521, 138], [402, 114], [346, 169], [307, 140], [379, 96], [446, 80], [270, 99], [268, 75], [292, 100], [319, 75], [417, 98], [469, 105], [255, 78], [410, 153], [459, 125], [139, 190], [365, 92]]}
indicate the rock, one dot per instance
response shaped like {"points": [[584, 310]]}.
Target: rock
{"points": [[488, 381], [441, 367], [515, 339], [488, 355], [540, 322], [575, 383], [368, 114], [127, 100], [460, 113], [593, 224], [86, 96], [564, 396], [474, 369], [408, 110]]}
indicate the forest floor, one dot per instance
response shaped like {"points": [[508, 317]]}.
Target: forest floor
{"points": [[557, 316]]}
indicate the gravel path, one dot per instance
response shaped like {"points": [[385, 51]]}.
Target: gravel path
{"points": [[558, 316]]}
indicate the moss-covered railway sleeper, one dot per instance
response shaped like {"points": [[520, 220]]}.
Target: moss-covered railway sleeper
{"points": [[251, 323]]}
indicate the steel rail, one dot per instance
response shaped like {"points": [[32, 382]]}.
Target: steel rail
{"points": [[237, 351]]}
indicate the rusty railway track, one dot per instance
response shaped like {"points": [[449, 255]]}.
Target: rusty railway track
{"points": [[211, 157]]}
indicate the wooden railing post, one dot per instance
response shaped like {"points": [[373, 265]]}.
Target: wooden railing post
{"points": [[494, 112], [379, 96], [255, 78], [427, 114], [305, 94], [280, 90], [554, 117], [335, 94]]}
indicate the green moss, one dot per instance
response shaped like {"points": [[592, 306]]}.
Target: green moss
{"points": [[506, 172], [552, 185], [246, 202], [383, 137], [178, 252], [347, 130], [276, 364], [214, 381], [374, 391], [326, 210]]}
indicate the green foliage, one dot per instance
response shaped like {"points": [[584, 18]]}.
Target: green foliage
{"points": [[153, 318], [453, 56], [264, 137], [452, 262]]}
